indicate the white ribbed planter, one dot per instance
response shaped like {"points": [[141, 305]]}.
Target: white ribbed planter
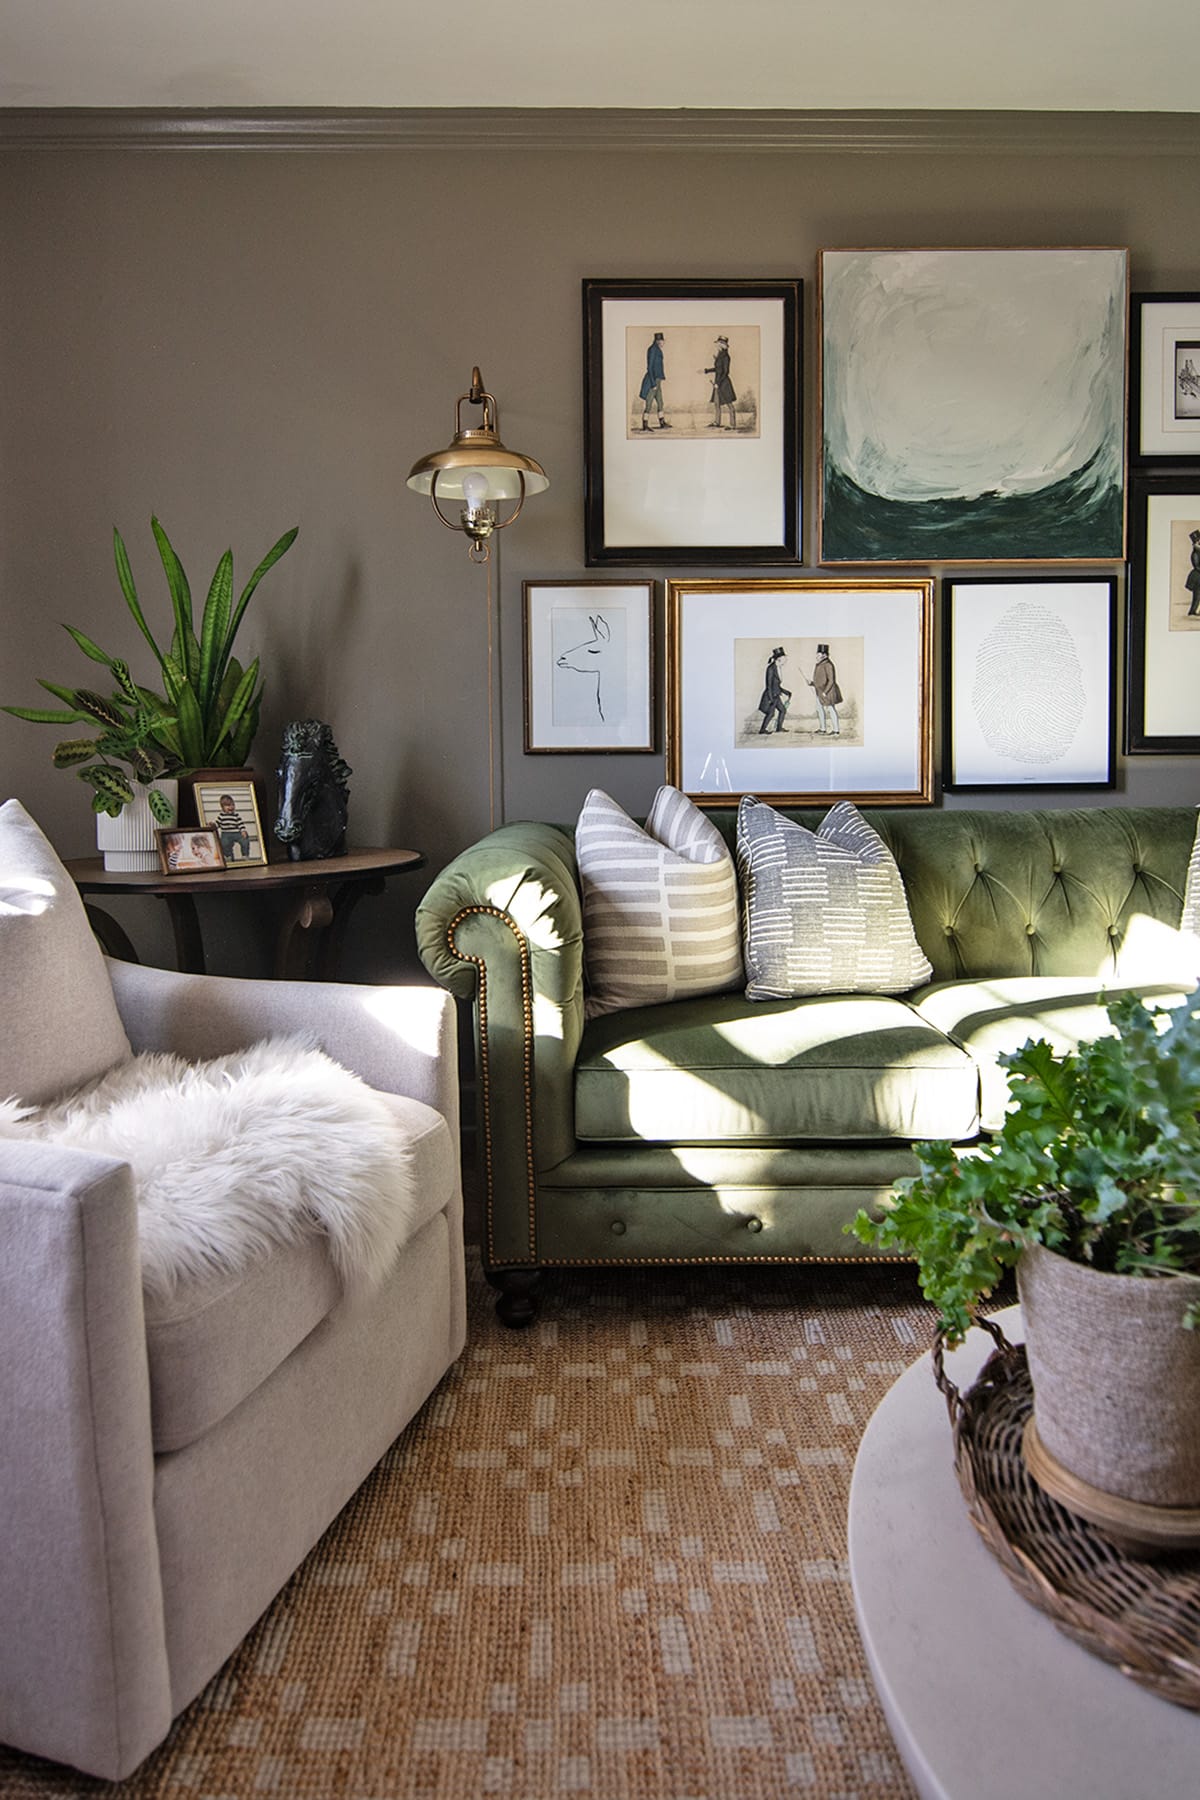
{"points": [[1116, 1377], [128, 842]]}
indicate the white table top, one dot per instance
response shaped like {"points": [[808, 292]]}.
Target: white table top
{"points": [[985, 1697]]}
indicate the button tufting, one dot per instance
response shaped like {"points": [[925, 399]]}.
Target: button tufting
{"points": [[1031, 931], [753, 1224], [617, 1228]]}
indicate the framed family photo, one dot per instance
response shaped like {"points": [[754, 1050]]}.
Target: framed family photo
{"points": [[226, 802], [691, 408], [188, 850], [589, 666], [972, 405], [1165, 370], [800, 691], [1163, 634], [1029, 676]]}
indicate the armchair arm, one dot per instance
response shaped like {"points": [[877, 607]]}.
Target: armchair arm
{"points": [[503, 926], [83, 1661], [401, 1040]]}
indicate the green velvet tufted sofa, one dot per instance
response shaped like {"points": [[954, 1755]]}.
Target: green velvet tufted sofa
{"points": [[720, 1130]]}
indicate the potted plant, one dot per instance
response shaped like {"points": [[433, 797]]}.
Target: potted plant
{"points": [[205, 716], [1091, 1190]]}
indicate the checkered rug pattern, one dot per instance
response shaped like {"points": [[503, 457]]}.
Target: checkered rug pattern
{"points": [[608, 1559]]}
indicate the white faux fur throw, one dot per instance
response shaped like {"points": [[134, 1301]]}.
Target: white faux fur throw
{"points": [[233, 1156]]}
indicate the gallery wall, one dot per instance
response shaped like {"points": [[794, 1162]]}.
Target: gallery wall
{"points": [[240, 338]]}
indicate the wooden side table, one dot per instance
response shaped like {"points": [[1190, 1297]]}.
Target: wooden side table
{"points": [[320, 897]]}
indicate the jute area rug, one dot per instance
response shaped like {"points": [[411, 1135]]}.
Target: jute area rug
{"points": [[608, 1559]]}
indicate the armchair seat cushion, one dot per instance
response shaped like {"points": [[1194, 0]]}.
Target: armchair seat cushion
{"points": [[721, 1070], [212, 1341]]}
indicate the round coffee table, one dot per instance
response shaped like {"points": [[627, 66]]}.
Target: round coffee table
{"points": [[984, 1696]]}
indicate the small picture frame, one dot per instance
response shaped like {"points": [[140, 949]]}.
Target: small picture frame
{"points": [[188, 849], [1162, 715], [691, 419], [589, 667], [801, 692], [227, 804], [1029, 669], [1165, 378]]}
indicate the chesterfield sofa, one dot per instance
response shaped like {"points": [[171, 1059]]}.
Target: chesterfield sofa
{"points": [[719, 1130]]}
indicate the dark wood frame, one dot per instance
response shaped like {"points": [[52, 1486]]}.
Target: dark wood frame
{"points": [[188, 831], [949, 583], [1139, 742], [597, 551], [1154, 459]]}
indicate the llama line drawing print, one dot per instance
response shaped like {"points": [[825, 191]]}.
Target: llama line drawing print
{"points": [[589, 666]]}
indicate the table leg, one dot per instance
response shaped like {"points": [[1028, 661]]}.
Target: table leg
{"points": [[189, 947], [112, 938], [310, 911], [345, 899]]}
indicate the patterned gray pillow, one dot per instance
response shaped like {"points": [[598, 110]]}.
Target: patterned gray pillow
{"points": [[660, 908], [823, 912]]}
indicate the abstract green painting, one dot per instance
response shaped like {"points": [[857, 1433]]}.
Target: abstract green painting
{"points": [[972, 405]]}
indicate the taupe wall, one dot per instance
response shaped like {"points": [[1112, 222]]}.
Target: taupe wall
{"points": [[242, 339]]}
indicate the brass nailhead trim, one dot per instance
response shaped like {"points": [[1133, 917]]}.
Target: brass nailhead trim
{"points": [[494, 912]]}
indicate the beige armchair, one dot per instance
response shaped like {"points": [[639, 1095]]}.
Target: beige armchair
{"points": [[167, 1464]]}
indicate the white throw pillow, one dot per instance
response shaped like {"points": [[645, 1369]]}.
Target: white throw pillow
{"points": [[61, 1024], [824, 912], [660, 907]]}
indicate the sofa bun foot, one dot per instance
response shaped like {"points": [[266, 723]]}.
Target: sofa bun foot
{"points": [[518, 1302]]}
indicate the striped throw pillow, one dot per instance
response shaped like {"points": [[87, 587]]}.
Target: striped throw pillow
{"points": [[823, 912], [1191, 892], [660, 908]]}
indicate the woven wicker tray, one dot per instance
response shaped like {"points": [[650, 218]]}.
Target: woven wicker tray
{"points": [[1142, 1614]]}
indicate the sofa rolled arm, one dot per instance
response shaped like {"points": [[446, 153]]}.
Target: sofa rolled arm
{"points": [[502, 927]]}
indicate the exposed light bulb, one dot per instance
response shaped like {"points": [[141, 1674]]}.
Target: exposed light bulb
{"points": [[475, 489]]}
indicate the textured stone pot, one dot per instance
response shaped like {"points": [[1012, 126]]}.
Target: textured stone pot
{"points": [[1116, 1376], [128, 842]]}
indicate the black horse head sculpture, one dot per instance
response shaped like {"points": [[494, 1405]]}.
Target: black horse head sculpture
{"points": [[313, 792]]}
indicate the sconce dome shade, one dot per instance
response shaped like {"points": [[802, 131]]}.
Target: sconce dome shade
{"points": [[478, 449], [482, 451]]}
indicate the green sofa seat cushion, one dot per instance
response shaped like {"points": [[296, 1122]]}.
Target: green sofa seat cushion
{"points": [[722, 1070], [999, 1014]]}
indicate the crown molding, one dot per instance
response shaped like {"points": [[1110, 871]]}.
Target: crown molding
{"points": [[603, 129]]}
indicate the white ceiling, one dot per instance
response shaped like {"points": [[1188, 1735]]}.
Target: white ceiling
{"points": [[1057, 55]]}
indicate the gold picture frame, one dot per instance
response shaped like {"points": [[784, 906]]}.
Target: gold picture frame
{"points": [[802, 691], [237, 824]]}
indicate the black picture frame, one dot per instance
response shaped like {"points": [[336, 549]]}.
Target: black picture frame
{"points": [[1162, 326], [1162, 654], [739, 507], [1021, 657]]}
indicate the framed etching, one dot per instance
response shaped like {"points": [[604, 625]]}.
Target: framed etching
{"points": [[800, 691], [1165, 378], [228, 805], [972, 405], [1162, 714], [1029, 675], [589, 666], [691, 407]]}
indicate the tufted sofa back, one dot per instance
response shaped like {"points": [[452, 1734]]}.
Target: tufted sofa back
{"points": [[1030, 893]]}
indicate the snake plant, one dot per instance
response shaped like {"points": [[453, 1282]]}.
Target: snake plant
{"points": [[207, 713]]}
